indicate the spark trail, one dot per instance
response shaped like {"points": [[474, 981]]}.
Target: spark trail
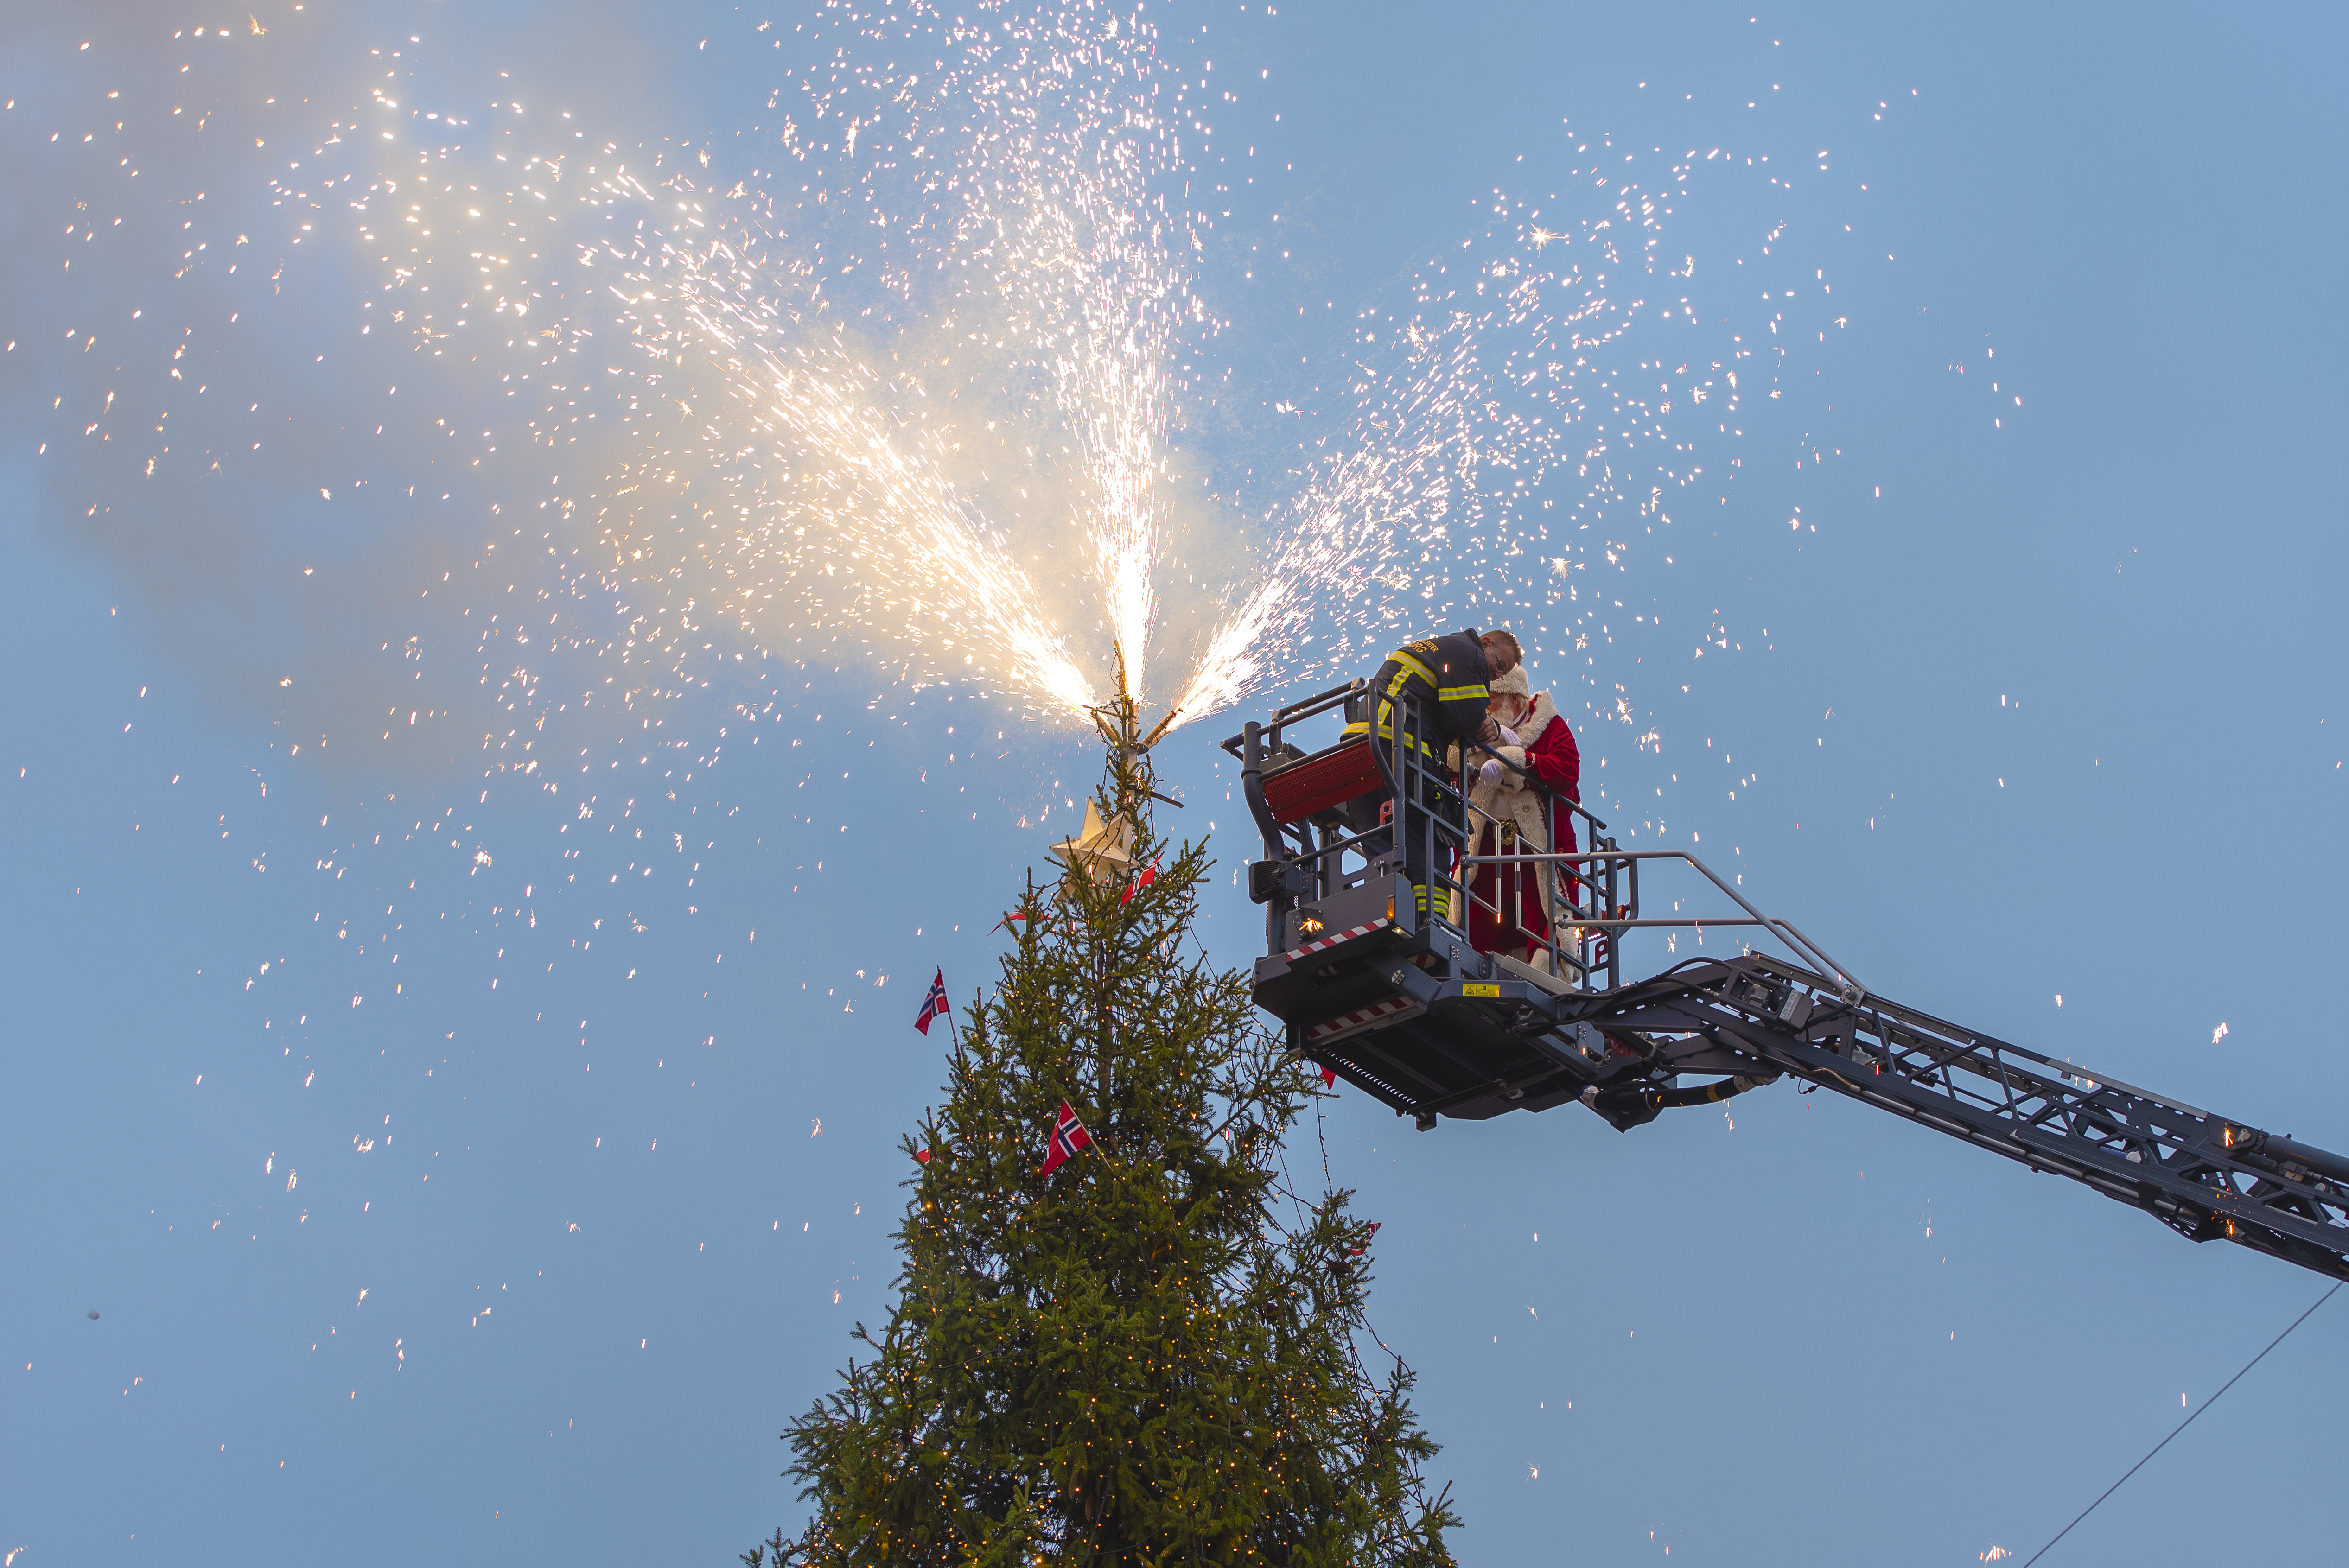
{"points": [[946, 401], [926, 370]]}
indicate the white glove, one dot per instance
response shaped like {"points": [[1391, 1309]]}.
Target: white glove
{"points": [[1509, 737], [1491, 769]]}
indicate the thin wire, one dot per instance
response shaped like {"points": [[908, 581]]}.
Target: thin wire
{"points": [[2181, 1425]]}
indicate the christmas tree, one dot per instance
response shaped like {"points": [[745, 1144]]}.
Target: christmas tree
{"points": [[1154, 1352]]}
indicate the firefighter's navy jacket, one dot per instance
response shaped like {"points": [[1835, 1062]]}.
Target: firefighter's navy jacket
{"points": [[1446, 673]]}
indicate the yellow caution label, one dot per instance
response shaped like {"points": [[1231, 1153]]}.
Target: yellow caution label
{"points": [[1473, 990]]}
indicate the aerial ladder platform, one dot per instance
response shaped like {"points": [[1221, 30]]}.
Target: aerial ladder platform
{"points": [[1369, 968]]}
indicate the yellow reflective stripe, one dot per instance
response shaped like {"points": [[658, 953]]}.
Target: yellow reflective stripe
{"points": [[1408, 667], [1386, 729], [1460, 693], [1415, 667]]}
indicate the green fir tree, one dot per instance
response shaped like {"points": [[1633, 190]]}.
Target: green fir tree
{"points": [[1154, 1355]]}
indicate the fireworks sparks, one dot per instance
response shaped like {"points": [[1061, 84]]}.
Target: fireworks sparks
{"points": [[960, 401], [957, 373]]}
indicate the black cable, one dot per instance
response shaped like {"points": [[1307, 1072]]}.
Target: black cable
{"points": [[2181, 1425]]}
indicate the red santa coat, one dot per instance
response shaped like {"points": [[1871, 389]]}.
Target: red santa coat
{"points": [[1550, 751]]}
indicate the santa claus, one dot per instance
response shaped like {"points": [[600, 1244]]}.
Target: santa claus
{"points": [[1516, 907]]}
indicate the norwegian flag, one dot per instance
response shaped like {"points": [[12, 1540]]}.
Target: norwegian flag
{"points": [[1328, 1077], [1147, 875], [934, 1006], [1345, 1265], [1068, 1135]]}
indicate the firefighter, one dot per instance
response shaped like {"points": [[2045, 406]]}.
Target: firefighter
{"points": [[1444, 677]]}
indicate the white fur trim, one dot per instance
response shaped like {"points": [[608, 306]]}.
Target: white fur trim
{"points": [[1537, 718]]}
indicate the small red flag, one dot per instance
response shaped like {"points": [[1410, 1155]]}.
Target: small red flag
{"points": [[1068, 1135], [1328, 1077], [934, 1006], [1148, 874], [922, 1155]]}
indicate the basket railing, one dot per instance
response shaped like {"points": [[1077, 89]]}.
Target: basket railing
{"points": [[1594, 891]]}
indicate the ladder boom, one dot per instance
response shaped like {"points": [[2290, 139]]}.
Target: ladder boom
{"points": [[1376, 877], [2206, 1176]]}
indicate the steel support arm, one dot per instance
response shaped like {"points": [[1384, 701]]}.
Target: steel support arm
{"points": [[2209, 1176]]}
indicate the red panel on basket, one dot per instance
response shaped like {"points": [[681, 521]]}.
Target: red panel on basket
{"points": [[1318, 782]]}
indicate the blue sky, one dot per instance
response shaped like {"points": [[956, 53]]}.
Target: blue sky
{"points": [[2020, 709]]}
